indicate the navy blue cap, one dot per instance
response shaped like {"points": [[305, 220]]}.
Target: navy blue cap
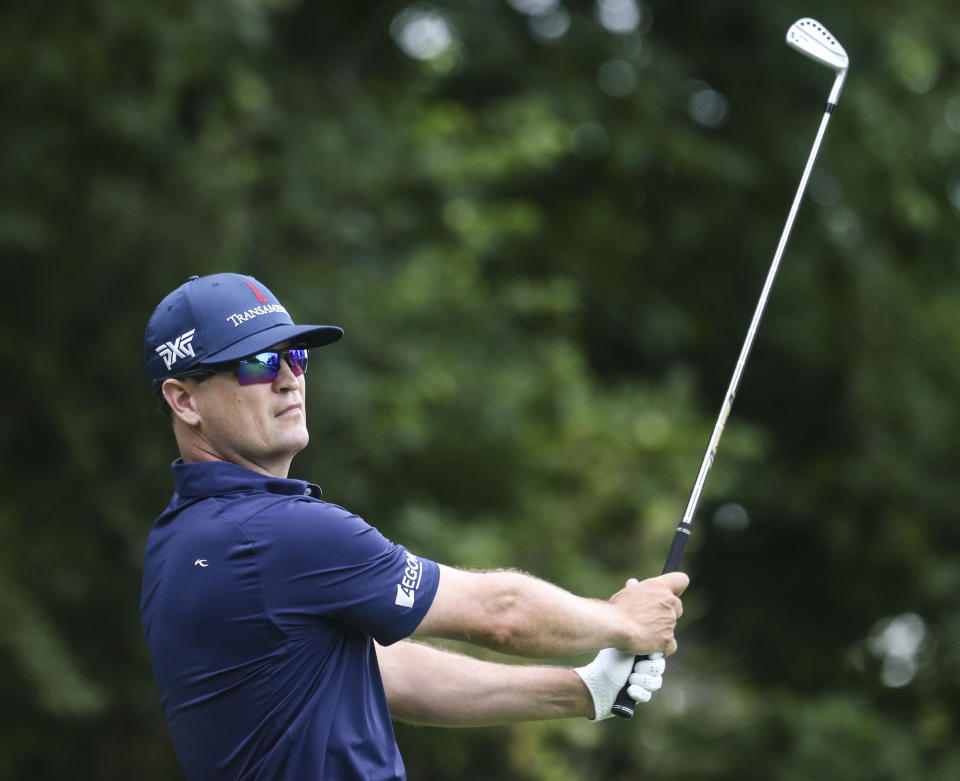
{"points": [[217, 319]]}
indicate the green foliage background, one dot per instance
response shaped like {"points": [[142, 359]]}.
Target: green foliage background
{"points": [[545, 253]]}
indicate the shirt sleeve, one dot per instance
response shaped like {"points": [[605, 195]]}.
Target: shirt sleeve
{"points": [[317, 560]]}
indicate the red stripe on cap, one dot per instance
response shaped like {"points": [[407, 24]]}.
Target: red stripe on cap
{"points": [[260, 297]]}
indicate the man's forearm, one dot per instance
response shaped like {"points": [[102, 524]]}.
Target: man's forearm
{"points": [[534, 618], [519, 614], [426, 685]]}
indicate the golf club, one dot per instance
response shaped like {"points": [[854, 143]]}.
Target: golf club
{"points": [[811, 38]]}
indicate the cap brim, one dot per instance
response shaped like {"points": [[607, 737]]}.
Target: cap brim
{"points": [[310, 335]]}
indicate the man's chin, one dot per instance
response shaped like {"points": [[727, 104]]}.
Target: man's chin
{"points": [[300, 441]]}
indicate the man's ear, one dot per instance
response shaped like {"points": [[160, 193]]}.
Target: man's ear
{"points": [[180, 397]]}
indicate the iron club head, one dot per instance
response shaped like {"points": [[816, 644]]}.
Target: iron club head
{"points": [[811, 38]]}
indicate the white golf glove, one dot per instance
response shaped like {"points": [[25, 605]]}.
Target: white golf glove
{"points": [[606, 674]]}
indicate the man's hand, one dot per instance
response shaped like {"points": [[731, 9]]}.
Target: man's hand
{"points": [[650, 611], [606, 674]]}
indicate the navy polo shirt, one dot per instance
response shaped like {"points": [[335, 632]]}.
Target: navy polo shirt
{"points": [[260, 603]]}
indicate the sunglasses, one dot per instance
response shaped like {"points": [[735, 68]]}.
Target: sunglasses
{"points": [[262, 367], [265, 366]]}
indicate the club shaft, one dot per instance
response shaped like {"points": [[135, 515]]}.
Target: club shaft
{"points": [[624, 706], [752, 330]]}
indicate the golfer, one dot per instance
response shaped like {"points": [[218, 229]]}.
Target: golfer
{"points": [[279, 624]]}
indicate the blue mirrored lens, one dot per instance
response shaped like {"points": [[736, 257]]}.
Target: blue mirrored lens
{"points": [[297, 359], [262, 367]]}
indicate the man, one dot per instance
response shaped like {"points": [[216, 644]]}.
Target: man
{"points": [[278, 623]]}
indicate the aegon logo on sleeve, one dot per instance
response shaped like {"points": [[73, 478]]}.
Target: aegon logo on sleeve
{"points": [[407, 587]]}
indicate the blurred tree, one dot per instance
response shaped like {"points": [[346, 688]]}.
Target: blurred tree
{"points": [[543, 226]]}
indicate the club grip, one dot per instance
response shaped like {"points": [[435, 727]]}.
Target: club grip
{"points": [[677, 547], [624, 706]]}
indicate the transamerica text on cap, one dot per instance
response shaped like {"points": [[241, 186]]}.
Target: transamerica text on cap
{"points": [[242, 317]]}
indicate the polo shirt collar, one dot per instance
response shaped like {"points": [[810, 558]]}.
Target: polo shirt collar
{"points": [[214, 478]]}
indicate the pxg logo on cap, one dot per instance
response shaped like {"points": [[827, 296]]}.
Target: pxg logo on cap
{"points": [[181, 347], [220, 318]]}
